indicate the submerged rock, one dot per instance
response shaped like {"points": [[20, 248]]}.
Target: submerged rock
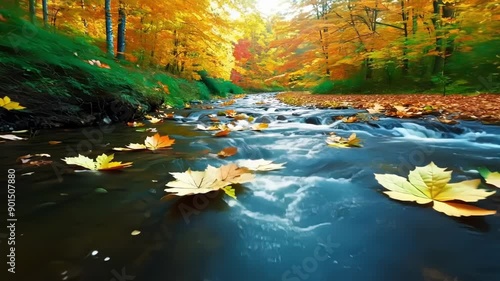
{"points": [[281, 118], [264, 119], [313, 120]]}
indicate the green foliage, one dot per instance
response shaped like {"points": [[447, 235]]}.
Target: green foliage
{"points": [[35, 61], [218, 86], [325, 87]]}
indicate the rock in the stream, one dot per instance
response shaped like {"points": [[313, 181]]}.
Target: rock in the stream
{"points": [[281, 118], [313, 120], [263, 119]]}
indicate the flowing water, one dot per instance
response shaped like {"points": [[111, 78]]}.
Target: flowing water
{"points": [[323, 217]]}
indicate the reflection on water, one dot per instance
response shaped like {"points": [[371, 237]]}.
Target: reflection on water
{"points": [[323, 217]]}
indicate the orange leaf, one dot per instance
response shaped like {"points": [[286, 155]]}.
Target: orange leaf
{"points": [[228, 151], [223, 133], [157, 142], [54, 142], [2, 18]]}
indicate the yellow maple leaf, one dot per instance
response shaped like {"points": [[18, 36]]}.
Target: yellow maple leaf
{"points": [[102, 163], [154, 120], [152, 143], [10, 105], [340, 142], [430, 184], [259, 127], [194, 182], [156, 142], [231, 173], [492, 178]]}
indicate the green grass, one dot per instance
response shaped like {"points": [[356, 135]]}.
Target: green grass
{"points": [[38, 65]]}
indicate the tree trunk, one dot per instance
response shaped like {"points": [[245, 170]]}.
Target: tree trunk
{"points": [[84, 21], [45, 9], [436, 21], [32, 10], [122, 23], [404, 16], [109, 28]]}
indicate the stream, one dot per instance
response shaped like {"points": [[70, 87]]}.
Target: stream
{"points": [[322, 218]]}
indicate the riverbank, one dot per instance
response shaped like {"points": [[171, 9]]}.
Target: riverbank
{"points": [[65, 81], [448, 109]]}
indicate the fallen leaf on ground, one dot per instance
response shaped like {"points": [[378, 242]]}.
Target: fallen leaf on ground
{"points": [[102, 163], [377, 108], [10, 105], [430, 184], [227, 152], [260, 165]]}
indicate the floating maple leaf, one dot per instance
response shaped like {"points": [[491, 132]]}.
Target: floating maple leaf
{"points": [[337, 141], [260, 165], [430, 184], [259, 127], [194, 182], [210, 128], [102, 163], [154, 120], [231, 173], [11, 137], [230, 113], [10, 105], [223, 133], [135, 124], [26, 159], [152, 143], [492, 178], [227, 152]]}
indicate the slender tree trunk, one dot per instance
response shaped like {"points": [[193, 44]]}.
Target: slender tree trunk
{"points": [[436, 20], [32, 10], [404, 16], [122, 23], [109, 28], [84, 20], [45, 9]]}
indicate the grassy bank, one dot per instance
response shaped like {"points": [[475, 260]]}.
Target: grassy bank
{"points": [[68, 81]]}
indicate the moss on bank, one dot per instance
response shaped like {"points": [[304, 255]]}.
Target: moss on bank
{"points": [[50, 74]]}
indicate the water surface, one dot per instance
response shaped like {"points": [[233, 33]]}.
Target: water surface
{"points": [[321, 218]]}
